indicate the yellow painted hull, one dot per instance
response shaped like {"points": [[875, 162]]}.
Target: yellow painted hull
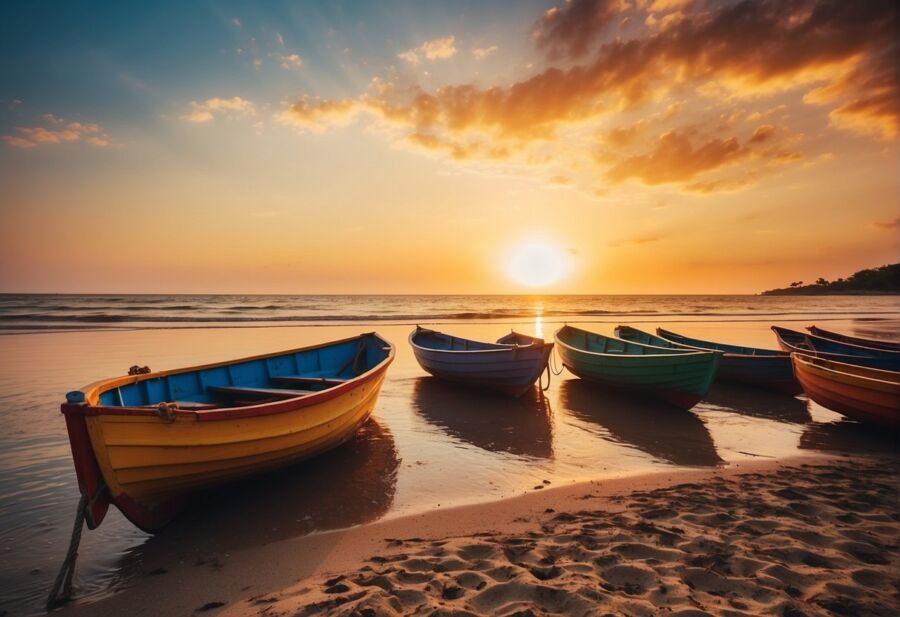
{"points": [[148, 458], [152, 460]]}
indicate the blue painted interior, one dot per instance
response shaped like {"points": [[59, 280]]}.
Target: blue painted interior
{"points": [[341, 361]]}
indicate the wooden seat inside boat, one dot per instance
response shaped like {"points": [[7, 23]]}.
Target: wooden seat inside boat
{"points": [[258, 392], [297, 380]]}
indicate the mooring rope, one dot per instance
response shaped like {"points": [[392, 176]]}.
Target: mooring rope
{"points": [[62, 587], [553, 355], [541, 380]]}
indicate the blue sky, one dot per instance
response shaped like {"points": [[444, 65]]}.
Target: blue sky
{"points": [[294, 146]]}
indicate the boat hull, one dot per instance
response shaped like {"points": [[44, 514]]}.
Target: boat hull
{"points": [[682, 379], [148, 465], [771, 372], [511, 365], [761, 368], [867, 395], [512, 372]]}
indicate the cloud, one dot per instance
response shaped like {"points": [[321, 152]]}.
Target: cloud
{"points": [[436, 49], [60, 131], [206, 111], [888, 225], [715, 59], [573, 30], [235, 22], [480, 53], [291, 61]]}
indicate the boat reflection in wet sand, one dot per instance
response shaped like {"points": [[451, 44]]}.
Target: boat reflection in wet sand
{"points": [[674, 436], [520, 426], [850, 437], [758, 403]]}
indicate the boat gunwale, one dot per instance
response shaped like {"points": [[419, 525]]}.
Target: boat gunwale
{"points": [[768, 355], [502, 347], [677, 354], [847, 339], [92, 390], [822, 364], [874, 352]]}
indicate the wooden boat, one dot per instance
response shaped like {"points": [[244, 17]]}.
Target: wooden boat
{"points": [[681, 377], [511, 365], [854, 340], [861, 393], [800, 342], [146, 442], [766, 368]]}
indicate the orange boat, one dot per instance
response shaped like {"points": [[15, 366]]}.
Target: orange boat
{"points": [[861, 393]]}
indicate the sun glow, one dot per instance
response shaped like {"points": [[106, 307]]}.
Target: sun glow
{"points": [[537, 264]]}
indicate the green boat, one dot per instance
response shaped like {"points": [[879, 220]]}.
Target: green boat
{"points": [[680, 377]]}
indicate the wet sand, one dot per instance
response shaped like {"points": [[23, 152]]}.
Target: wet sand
{"points": [[430, 446], [805, 536]]}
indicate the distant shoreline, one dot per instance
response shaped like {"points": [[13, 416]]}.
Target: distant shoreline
{"points": [[814, 292]]}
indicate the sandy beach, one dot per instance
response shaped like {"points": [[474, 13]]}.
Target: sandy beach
{"points": [[803, 536]]}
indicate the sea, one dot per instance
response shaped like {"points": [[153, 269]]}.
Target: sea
{"points": [[428, 445]]}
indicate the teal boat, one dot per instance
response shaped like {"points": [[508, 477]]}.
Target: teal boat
{"points": [[763, 368], [680, 377]]}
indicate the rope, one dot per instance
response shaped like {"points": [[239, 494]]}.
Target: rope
{"points": [[62, 587], [553, 355], [541, 380]]}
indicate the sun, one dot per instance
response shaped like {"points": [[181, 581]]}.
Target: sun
{"points": [[537, 264]]}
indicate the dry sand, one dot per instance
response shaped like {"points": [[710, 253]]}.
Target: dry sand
{"points": [[809, 536]]}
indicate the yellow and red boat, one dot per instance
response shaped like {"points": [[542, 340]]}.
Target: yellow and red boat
{"points": [[146, 441], [858, 392]]}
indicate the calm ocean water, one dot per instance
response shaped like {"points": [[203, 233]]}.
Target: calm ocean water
{"points": [[428, 445], [69, 311]]}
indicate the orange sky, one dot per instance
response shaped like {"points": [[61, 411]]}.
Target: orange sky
{"points": [[662, 146]]}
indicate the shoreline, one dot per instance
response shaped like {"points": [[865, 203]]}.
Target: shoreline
{"points": [[284, 576]]}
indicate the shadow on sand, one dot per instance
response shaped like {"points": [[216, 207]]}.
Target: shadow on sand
{"points": [[493, 422], [350, 485], [758, 402], [663, 431]]}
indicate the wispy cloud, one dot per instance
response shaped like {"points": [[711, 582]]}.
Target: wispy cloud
{"points": [[480, 53], [290, 61], [57, 131], [207, 110], [887, 225], [436, 49]]}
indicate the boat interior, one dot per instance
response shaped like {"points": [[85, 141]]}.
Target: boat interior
{"points": [[253, 381]]}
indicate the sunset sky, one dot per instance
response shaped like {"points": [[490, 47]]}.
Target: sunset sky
{"points": [[651, 146]]}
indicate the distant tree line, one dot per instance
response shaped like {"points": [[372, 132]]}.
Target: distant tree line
{"points": [[885, 279]]}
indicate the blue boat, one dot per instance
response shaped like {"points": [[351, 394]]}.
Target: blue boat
{"points": [[765, 368], [809, 344], [511, 365]]}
